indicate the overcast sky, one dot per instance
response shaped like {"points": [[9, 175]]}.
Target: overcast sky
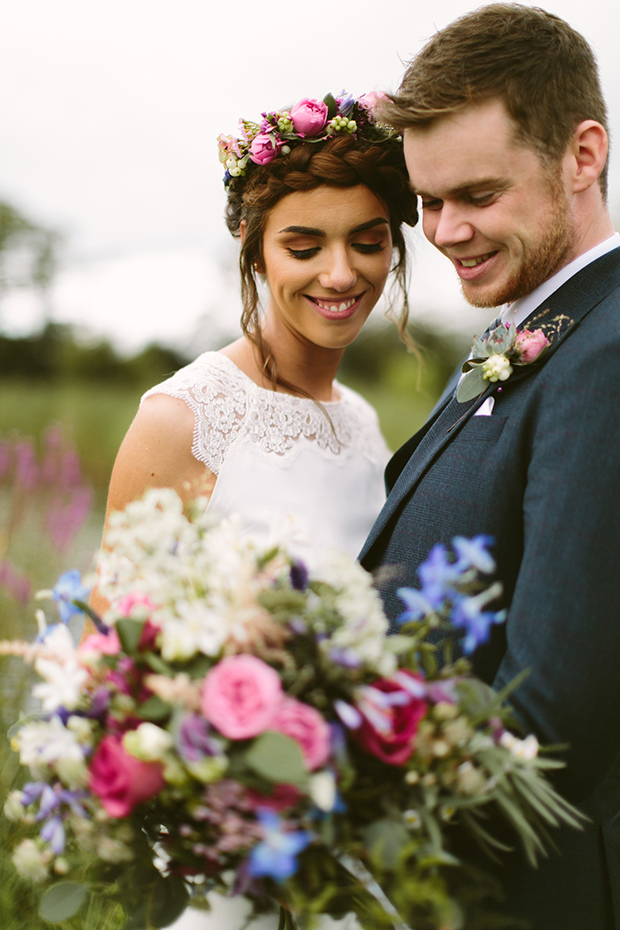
{"points": [[109, 117]]}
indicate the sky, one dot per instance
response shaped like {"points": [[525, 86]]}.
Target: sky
{"points": [[109, 118]]}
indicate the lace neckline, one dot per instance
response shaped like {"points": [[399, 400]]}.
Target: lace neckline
{"points": [[274, 394]]}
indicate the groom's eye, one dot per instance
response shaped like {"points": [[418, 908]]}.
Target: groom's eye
{"points": [[431, 204]]}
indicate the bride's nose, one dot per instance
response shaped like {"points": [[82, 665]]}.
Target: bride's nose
{"points": [[339, 275]]}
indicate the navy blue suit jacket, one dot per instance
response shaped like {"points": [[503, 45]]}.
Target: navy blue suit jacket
{"points": [[542, 476]]}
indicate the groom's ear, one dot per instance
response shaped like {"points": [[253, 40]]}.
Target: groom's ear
{"points": [[587, 154]]}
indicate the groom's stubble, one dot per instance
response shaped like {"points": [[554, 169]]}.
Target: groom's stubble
{"points": [[552, 250]]}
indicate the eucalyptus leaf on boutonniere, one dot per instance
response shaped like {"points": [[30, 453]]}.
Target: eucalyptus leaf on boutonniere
{"points": [[495, 354]]}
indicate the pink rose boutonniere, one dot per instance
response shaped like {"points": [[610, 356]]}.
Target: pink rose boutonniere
{"points": [[309, 117], [495, 354]]}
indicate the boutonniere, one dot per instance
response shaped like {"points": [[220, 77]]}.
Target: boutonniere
{"points": [[495, 354]]}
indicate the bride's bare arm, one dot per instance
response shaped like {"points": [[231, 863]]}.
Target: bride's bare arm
{"points": [[156, 453]]}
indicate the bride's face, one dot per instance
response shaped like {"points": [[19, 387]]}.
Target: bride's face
{"points": [[327, 254]]}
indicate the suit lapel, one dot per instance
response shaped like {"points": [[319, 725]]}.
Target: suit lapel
{"points": [[561, 314]]}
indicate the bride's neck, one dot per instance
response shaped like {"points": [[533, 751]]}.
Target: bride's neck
{"points": [[305, 369]]}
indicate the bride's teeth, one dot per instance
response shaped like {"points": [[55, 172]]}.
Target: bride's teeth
{"points": [[340, 308]]}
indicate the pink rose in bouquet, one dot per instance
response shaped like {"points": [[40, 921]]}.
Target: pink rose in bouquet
{"points": [[307, 727], [530, 344], [389, 728], [263, 149], [121, 781], [240, 696], [309, 116], [106, 644]]}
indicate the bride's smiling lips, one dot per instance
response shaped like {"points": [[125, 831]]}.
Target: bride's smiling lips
{"points": [[336, 308]]}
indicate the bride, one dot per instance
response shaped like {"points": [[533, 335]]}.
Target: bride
{"points": [[317, 195]]}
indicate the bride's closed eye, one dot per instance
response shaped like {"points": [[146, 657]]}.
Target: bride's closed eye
{"points": [[303, 254]]}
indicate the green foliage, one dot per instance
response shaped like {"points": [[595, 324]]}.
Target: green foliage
{"points": [[27, 251]]}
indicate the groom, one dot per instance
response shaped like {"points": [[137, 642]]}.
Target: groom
{"points": [[505, 141]]}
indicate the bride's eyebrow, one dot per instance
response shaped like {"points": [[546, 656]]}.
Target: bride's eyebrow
{"points": [[303, 230], [311, 231]]}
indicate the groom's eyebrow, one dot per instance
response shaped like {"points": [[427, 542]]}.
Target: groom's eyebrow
{"points": [[494, 182], [311, 231]]}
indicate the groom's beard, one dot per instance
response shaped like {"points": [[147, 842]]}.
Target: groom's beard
{"points": [[543, 259]]}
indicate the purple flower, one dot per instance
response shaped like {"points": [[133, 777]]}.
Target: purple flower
{"points": [[275, 855], [299, 576], [69, 588], [53, 832], [472, 553], [194, 742]]}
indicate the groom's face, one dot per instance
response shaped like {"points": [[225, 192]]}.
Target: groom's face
{"points": [[490, 204]]}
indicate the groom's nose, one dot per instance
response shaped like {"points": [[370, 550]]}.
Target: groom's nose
{"points": [[447, 226]]}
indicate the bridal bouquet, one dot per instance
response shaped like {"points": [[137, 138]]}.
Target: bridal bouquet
{"points": [[236, 724]]}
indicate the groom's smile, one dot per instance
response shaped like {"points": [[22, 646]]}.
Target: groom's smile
{"points": [[489, 202]]}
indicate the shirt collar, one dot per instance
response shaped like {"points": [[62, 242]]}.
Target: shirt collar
{"points": [[519, 310]]}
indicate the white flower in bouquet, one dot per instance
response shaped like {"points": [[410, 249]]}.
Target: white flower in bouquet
{"points": [[46, 742], [31, 862]]}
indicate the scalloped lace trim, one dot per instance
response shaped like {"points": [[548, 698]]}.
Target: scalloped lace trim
{"points": [[228, 408]]}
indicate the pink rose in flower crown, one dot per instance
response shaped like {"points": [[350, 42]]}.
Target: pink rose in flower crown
{"points": [[263, 149], [309, 117], [531, 344], [307, 727], [121, 781], [394, 741], [240, 696]]}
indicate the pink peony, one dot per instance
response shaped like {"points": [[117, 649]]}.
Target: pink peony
{"points": [[263, 149], [104, 644], [121, 781], [305, 725], [240, 696], [396, 743], [309, 117], [530, 344]]}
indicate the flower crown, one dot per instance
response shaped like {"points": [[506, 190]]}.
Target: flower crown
{"points": [[308, 121]]}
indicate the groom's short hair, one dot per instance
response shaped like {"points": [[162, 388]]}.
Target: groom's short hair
{"points": [[543, 70]]}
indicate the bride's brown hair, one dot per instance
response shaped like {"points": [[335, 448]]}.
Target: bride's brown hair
{"points": [[337, 162]]}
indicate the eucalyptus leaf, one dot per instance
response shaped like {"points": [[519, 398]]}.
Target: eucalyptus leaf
{"points": [[129, 632], [472, 384], [277, 758], [385, 840], [62, 901], [154, 709], [332, 105]]}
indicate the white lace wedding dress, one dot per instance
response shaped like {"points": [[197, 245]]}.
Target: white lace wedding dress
{"points": [[318, 467]]}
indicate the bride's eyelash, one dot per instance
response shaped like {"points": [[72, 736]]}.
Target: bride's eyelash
{"points": [[365, 248], [303, 254]]}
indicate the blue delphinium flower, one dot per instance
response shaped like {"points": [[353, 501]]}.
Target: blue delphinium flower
{"points": [[275, 855], [473, 553], [438, 575], [53, 832], [468, 614], [69, 588], [417, 605]]}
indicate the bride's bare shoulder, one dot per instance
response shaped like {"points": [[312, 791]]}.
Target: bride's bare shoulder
{"points": [[157, 452]]}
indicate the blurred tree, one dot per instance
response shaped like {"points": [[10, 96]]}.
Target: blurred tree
{"points": [[27, 253]]}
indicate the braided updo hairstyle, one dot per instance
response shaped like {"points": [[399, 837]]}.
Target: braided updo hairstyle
{"points": [[342, 161]]}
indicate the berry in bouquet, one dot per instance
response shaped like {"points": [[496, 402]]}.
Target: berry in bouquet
{"points": [[236, 724]]}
